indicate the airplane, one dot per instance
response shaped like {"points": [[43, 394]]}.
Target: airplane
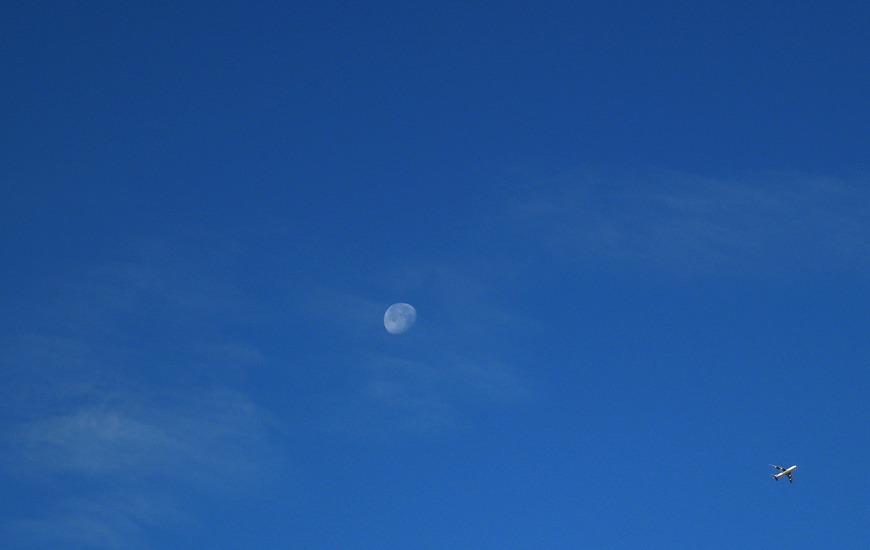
{"points": [[783, 472]]}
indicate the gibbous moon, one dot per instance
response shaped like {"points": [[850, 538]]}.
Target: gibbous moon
{"points": [[399, 318]]}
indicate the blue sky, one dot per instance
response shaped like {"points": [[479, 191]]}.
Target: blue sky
{"points": [[636, 236]]}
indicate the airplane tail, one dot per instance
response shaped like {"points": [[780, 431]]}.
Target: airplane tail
{"points": [[774, 476]]}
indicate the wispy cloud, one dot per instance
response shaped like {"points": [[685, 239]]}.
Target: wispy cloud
{"points": [[130, 463], [396, 395], [204, 439], [427, 380], [117, 414], [676, 222], [82, 523], [350, 313]]}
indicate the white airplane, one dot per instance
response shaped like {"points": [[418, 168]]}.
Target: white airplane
{"points": [[783, 472]]}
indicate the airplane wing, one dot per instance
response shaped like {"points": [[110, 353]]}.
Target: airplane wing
{"points": [[790, 478], [780, 468]]}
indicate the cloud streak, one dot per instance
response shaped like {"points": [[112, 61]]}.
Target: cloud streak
{"points": [[688, 224], [113, 472], [396, 395], [119, 423], [428, 380], [205, 439]]}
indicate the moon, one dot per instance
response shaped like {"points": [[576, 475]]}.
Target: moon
{"points": [[399, 318]]}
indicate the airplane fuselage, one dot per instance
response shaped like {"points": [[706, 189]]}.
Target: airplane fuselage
{"points": [[785, 472]]}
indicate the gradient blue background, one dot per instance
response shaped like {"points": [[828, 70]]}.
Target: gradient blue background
{"points": [[637, 235]]}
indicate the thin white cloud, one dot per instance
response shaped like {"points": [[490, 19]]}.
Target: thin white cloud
{"points": [[353, 315], [493, 380], [116, 413], [405, 395], [427, 380], [81, 524], [454, 301], [204, 439], [113, 472], [688, 224], [426, 397]]}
